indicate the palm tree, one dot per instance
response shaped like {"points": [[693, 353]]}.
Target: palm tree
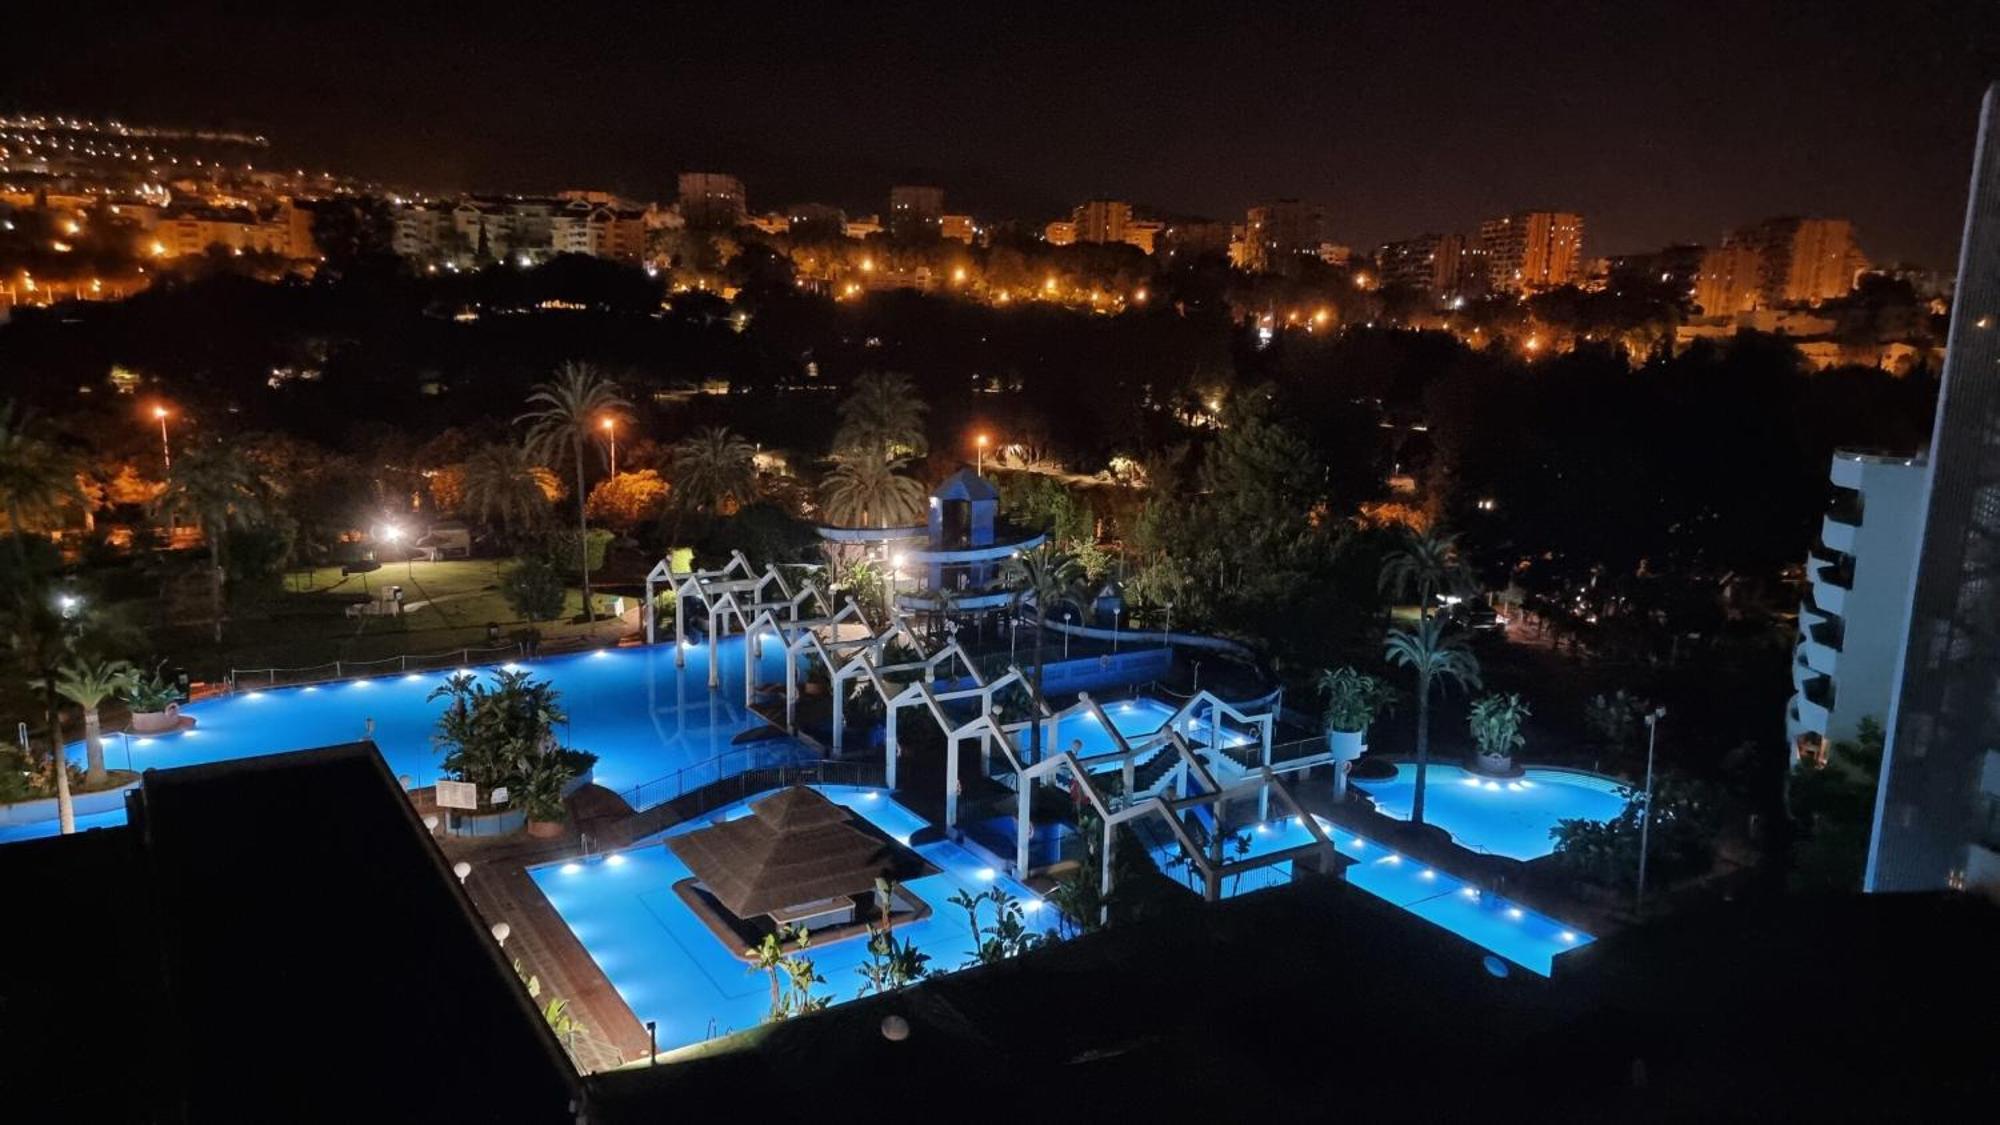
{"points": [[1429, 562], [711, 471], [501, 489], [218, 489], [1437, 656], [1049, 576], [39, 638], [36, 478], [881, 418], [869, 492], [88, 683], [573, 407]]}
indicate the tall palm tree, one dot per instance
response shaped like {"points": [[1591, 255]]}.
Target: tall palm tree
{"points": [[1429, 563], [870, 492], [36, 478], [88, 683], [712, 471], [1048, 575], [1438, 656], [881, 418], [571, 411], [502, 489], [218, 489]]}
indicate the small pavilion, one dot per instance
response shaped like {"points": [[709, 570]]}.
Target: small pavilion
{"points": [[797, 860]]}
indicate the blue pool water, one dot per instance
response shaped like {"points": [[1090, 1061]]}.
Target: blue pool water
{"points": [[667, 966], [641, 715], [1133, 719], [1509, 818], [1522, 936]]}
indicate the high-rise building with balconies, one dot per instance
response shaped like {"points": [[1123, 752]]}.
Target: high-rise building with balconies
{"points": [[1530, 251], [1851, 623], [1784, 261], [1937, 807]]}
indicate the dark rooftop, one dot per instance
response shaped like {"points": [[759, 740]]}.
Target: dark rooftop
{"points": [[273, 939]]}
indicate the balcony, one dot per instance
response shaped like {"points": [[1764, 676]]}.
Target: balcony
{"points": [[1845, 506], [1805, 715], [1828, 595], [1836, 535], [1827, 631], [1817, 691]]}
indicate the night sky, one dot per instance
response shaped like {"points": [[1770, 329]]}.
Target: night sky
{"points": [[1659, 122]]}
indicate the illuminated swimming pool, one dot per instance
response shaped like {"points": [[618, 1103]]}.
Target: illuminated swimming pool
{"points": [[1511, 818], [641, 715], [1516, 933], [1133, 719], [668, 966]]}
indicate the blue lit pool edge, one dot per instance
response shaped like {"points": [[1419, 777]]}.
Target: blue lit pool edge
{"points": [[667, 966], [1509, 817], [618, 700], [1490, 921]]}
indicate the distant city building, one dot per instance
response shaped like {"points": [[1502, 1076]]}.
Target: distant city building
{"points": [[1062, 232], [1191, 238], [1677, 267], [1144, 234], [281, 229], [1778, 262], [1278, 233], [815, 220], [1530, 251], [1937, 808], [1428, 263], [771, 222], [1101, 220], [1851, 623], [915, 211], [959, 228], [862, 226], [712, 199]]}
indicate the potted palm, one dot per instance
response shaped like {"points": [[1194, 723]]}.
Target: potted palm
{"points": [[155, 701], [1496, 731], [1353, 700]]}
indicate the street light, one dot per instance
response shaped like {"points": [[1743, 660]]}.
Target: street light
{"points": [[394, 534], [1653, 718], [1066, 617], [611, 435], [166, 448], [979, 456]]}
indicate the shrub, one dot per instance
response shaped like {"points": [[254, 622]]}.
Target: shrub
{"points": [[1353, 698]]}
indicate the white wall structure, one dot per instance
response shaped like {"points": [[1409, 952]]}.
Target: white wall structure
{"points": [[1852, 622]]}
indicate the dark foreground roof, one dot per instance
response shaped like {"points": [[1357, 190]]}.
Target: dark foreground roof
{"points": [[275, 939], [1317, 1002], [795, 847]]}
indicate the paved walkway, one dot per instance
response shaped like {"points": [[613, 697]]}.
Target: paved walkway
{"points": [[543, 946]]}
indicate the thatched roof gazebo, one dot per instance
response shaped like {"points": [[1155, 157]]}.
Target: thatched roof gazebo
{"points": [[798, 859]]}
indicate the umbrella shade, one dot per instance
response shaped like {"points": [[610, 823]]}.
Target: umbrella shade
{"points": [[796, 847]]}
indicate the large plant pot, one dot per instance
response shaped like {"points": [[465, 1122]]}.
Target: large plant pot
{"points": [[1495, 765], [545, 829], [1345, 745], [157, 722]]}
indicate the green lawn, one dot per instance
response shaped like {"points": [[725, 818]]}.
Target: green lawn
{"points": [[448, 606]]}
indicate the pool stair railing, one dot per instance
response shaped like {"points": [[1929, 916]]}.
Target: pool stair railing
{"points": [[1195, 787]]}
